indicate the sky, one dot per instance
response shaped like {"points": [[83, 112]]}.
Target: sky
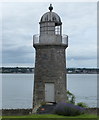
{"points": [[20, 21]]}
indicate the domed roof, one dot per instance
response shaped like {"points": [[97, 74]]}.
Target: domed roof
{"points": [[51, 16]]}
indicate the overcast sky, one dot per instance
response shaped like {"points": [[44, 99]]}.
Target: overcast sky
{"points": [[21, 22]]}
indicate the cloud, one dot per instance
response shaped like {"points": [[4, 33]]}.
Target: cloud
{"points": [[74, 63], [19, 55], [21, 22]]}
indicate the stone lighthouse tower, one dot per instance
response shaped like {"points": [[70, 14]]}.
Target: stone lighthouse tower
{"points": [[50, 62]]}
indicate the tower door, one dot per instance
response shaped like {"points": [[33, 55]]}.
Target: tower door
{"points": [[49, 92]]}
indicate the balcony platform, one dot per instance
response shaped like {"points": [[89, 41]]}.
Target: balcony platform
{"points": [[63, 38]]}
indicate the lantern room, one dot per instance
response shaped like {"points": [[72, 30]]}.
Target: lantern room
{"points": [[50, 28], [50, 23]]}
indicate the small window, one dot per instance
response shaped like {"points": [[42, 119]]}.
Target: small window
{"points": [[57, 30]]}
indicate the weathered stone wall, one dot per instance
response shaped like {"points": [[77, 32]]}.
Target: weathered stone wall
{"points": [[10, 112], [50, 67]]}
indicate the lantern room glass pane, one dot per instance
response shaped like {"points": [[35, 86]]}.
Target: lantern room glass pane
{"points": [[57, 30]]}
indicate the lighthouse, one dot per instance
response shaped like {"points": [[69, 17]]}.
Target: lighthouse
{"points": [[50, 45]]}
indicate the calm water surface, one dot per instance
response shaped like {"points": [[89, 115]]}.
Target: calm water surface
{"points": [[17, 89]]}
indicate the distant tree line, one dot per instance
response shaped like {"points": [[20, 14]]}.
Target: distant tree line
{"points": [[17, 70], [31, 70]]}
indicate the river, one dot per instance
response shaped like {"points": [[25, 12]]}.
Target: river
{"points": [[17, 89]]}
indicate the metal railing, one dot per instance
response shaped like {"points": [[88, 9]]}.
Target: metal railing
{"points": [[35, 39], [64, 39]]}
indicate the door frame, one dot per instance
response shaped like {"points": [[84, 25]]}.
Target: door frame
{"points": [[54, 90]]}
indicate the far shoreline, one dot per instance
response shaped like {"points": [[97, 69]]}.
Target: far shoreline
{"points": [[33, 73]]}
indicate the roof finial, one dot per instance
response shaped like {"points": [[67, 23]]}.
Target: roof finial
{"points": [[50, 7]]}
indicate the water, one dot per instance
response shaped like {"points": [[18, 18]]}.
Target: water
{"points": [[84, 87], [17, 89]]}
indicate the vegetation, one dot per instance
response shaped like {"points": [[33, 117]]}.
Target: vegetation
{"points": [[81, 104], [68, 109], [31, 70], [50, 116], [71, 99]]}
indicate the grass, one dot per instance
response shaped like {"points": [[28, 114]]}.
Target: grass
{"points": [[53, 116]]}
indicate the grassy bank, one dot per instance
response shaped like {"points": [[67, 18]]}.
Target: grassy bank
{"points": [[53, 116]]}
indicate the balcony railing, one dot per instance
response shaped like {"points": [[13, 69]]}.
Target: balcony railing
{"points": [[36, 39], [65, 39]]}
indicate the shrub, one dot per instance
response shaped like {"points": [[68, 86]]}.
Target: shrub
{"points": [[68, 109], [81, 104], [70, 97]]}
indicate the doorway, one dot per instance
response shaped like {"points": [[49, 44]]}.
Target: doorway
{"points": [[49, 92]]}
